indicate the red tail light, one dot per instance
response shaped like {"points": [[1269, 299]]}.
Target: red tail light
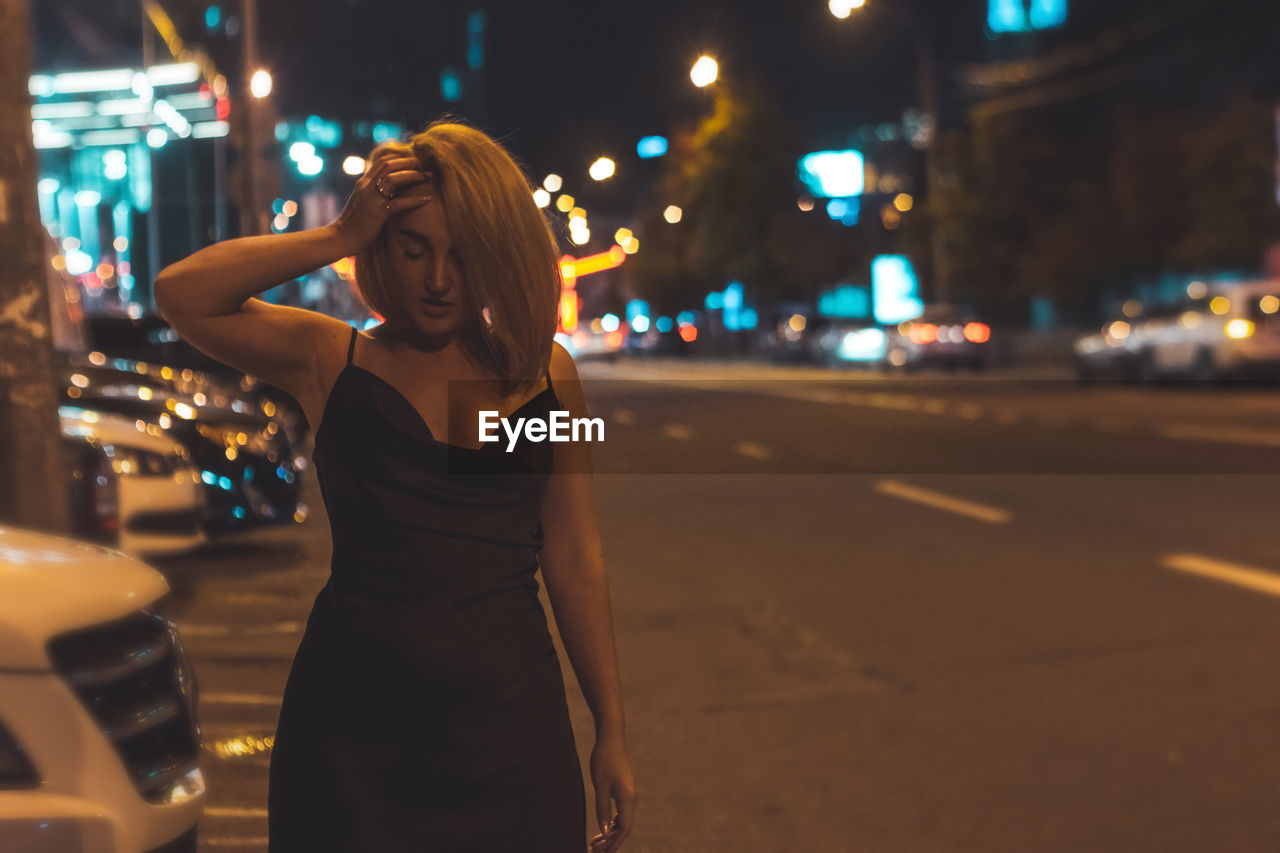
{"points": [[978, 333], [923, 333]]}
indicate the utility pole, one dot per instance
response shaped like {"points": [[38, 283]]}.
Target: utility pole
{"points": [[250, 216], [33, 474]]}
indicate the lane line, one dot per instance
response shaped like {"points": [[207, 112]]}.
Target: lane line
{"points": [[229, 811], [947, 503], [238, 699], [626, 417], [751, 449], [1223, 435], [676, 431], [1248, 577]]}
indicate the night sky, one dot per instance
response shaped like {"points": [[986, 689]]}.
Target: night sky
{"points": [[564, 81]]}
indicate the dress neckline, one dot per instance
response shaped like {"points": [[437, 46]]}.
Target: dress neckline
{"points": [[417, 415]]}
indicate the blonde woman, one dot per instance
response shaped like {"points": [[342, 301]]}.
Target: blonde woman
{"points": [[425, 708]]}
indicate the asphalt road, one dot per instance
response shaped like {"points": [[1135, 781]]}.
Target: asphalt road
{"points": [[864, 614]]}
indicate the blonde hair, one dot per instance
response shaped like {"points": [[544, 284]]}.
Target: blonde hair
{"points": [[508, 252]]}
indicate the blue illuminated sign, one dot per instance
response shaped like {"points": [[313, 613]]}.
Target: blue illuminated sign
{"points": [[832, 174], [895, 291], [1020, 16], [651, 146], [846, 300], [450, 85]]}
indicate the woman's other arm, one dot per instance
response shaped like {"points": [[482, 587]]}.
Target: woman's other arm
{"points": [[573, 569]]}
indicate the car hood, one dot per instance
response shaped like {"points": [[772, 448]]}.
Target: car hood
{"points": [[113, 429], [52, 584]]}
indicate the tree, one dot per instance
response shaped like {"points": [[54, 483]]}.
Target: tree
{"points": [[734, 179]]}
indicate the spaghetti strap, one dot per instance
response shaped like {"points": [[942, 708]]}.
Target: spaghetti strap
{"points": [[351, 348]]}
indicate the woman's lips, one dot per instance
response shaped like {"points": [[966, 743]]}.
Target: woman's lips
{"points": [[437, 309]]}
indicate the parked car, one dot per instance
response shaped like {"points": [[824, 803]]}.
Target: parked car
{"points": [[131, 486], [99, 737], [1112, 351], [245, 461], [943, 335], [1224, 330]]}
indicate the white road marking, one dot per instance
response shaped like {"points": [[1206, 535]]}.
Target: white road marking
{"points": [[947, 503], [227, 811], [676, 431], [1248, 577], [197, 629], [626, 417], [935, 406], [1223, 434], [238, 699], [750, 448]]}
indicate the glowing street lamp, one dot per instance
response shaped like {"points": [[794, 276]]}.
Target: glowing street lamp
{"points": [[704, 71], [601, 169], [842, 8], [260, 84]]}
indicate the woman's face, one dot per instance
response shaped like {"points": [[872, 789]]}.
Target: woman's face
{"points": [[426, 269]]}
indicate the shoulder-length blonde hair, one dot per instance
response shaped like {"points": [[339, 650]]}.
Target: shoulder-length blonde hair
{"points": [[506, 246]]}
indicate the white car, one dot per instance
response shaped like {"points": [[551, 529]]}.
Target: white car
{"points": [[99, 740], [132, 486], [1218, 330]]}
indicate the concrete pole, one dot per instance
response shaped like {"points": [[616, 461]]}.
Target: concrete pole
{"points": [[34, 475]]}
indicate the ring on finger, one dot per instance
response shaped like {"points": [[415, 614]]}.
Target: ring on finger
{"points": [[380, 189]]}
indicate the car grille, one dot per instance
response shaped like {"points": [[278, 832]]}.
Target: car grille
{"points": [[133, 677]]}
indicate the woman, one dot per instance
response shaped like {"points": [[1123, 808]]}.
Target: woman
{"points": [[425, 709]]}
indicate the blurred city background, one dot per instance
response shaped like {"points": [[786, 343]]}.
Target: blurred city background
{"points": [[937, 343]]}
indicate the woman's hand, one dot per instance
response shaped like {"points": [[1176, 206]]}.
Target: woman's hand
{"points": [[611, 775], [377, 196]]}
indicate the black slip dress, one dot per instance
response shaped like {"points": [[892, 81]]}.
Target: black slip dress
{"points": [[425, 710]]}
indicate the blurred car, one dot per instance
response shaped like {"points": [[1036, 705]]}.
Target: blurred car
{"points": [[1112, 351], [99, 738], [1223, 330], [131, 485], [249, 469], [789, 337], [942, 336], [590, 341], [839, 343]]}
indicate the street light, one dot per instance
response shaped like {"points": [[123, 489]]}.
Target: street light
{"points": [[260, 84], [704, 71], [842, 8], [601, 169]]}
